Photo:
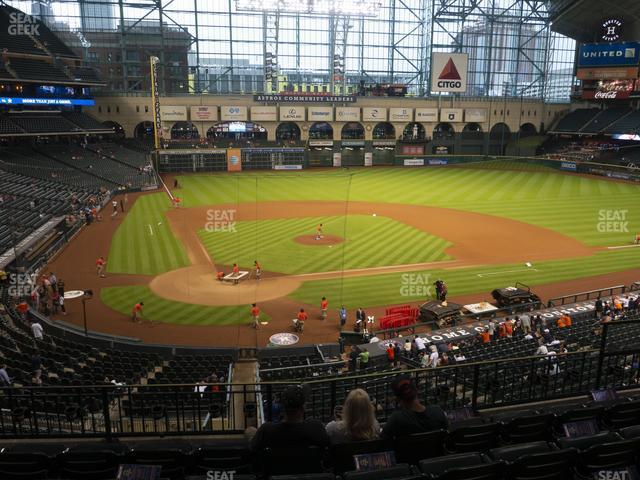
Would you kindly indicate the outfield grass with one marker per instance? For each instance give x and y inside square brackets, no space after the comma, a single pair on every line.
[569,204]
[158,309]
[393,288]
[144,242]
[370,242]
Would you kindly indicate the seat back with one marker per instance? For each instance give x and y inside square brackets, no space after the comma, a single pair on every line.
[437,466]
[582,443]
[513,452]
[609,455]
[342,453]
[171,460]
[528,428]
[487,471]
[396,472]
[413,448]
[24,466]
[477,438]
[292,460]
[100,464]
[234,458]
[551,465]
[623,415]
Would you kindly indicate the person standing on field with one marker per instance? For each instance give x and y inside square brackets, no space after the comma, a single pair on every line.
[324,305]
[100,264]
[343,317]
[258,268]
[319,232]
[255,314]
[136,313]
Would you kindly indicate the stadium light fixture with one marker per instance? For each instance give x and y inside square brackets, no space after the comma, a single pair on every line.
[361,8]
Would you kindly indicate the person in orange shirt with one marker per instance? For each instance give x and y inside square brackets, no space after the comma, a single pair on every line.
[299,322]
[100,264]
[567,321]
[638,238]
[255,313]
[564,321]
[324,304]
[136,312]
[484,336]
[258,268]
[508,327]
[219,275]
[236,271]
[502,331]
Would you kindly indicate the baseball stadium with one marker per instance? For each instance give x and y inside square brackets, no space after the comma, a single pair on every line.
[320,239]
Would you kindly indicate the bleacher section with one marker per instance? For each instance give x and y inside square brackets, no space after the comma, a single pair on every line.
[573,121]
[605,118]
[34,123]
[27,43]
[124,153]
[84,121]
[36,70]
[50,122]
[628,124]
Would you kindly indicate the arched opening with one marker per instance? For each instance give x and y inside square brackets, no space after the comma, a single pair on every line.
[384,131]
[143,131]
[118,130]
[414,131]
[499,136]
[527,130]
[352,131]
[472,127]
[443,131]
[288,131]
[321,131]
[237,131]
[184,131]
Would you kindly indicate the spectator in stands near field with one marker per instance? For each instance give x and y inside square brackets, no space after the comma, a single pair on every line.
[564,321]
[508,328]
[358,423]
[407,347]
[36,364]
[5,381]
[485,336]
[397,353]
[547,337]
[542,350]
[391,353]
[353,358]
[434,358]
[420,345]
[364,359]
[413,416]
[525,323]
[38,331]
[293,430]
[493,330]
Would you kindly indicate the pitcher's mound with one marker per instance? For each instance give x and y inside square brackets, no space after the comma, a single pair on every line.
[325,240]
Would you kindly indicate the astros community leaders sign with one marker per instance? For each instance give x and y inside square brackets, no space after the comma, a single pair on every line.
[302,98]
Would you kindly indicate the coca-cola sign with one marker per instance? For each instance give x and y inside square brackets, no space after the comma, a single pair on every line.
[609,90]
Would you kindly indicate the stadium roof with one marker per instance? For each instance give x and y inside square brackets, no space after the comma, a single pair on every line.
[582,19]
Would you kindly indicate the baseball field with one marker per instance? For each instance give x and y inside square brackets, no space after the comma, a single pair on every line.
[387,234]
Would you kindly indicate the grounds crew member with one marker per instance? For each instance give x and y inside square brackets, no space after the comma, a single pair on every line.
[255,313]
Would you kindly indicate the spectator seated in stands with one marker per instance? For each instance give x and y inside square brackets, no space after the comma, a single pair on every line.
[358,422]
[413,416]
[5,381]
[293,430]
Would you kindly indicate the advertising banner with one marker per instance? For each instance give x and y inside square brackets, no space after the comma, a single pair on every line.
[233,113]
[287,167]
[451,115]
[374,114]
[291,114]
[426,114]
[414,162]
[347,114]
[449,72]
[264,114]
[368,159]
[610,90]
[173,114]
[337,159]
[477,115]
[321,143]
[607,73]
[401,114]
[200,113]
[624,54]
[304,97]
[569,166]
[234,160]
[412,150]
[320,114]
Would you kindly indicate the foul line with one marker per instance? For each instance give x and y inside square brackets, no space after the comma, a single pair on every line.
[507,271]
[150,229]
[624,246]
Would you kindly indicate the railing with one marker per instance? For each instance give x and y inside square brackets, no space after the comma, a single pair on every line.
[589,295]
[147,410]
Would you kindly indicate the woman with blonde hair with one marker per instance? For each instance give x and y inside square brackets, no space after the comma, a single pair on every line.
[357,420]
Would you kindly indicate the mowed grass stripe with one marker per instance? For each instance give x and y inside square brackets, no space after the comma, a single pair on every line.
[122,299]
[386,289]
[136,250]
[371,241]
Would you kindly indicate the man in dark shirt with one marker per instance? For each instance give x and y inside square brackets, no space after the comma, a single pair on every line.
[293,430]
[413,416]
